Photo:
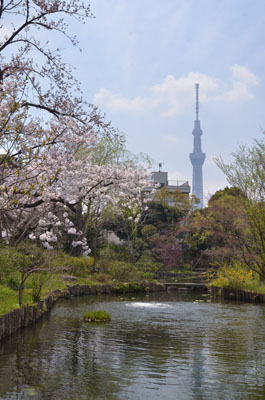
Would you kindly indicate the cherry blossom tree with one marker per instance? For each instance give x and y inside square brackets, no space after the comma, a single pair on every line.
[47,173]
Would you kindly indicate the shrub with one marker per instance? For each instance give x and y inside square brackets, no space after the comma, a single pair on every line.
[77,266]
[187,267]
[101,277]
[146,266]
[129,287]
[96,316]
[233,276]
[122,271]
[148,231]
[138,247]
[106,256]
[5,263]
[13,282]
[147,275]
[113,251]
[37,283]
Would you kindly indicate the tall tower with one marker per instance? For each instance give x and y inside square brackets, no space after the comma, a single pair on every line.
[197,157]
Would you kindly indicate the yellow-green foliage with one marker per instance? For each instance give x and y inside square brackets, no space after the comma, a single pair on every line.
[77,266]
[96,316]
[19,258]
[9,299]
[233,276]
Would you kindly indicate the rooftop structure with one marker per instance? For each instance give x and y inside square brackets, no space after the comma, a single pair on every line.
[160,178]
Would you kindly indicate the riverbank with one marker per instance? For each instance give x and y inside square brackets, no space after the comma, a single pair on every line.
[30,315]
[248,296]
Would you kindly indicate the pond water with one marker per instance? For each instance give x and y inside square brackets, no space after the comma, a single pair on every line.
[157,346]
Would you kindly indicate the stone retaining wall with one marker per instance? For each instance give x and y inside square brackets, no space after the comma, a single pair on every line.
[238,295]
[29,315]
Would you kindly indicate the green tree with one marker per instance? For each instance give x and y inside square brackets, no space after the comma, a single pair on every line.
[167,212]
[247,173]
[25,259]
[247,170]
[230,230]
[169,208]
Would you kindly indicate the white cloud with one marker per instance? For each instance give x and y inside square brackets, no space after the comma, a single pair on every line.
[242,79]
[116,102]
[243,75]
[171,139]
[173,96]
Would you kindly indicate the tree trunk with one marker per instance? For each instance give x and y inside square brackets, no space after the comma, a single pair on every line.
[95,243]
[20,293]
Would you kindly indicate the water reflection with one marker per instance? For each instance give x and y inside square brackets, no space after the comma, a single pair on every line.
[161,346]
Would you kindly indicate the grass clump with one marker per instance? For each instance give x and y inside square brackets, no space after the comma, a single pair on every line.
[96,316]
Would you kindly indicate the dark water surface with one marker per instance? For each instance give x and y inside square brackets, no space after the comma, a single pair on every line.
[161,346]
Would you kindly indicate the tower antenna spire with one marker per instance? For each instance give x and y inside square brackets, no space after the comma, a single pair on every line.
[197,100]
[197,157]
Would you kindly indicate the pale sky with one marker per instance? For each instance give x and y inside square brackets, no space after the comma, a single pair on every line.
[141,59]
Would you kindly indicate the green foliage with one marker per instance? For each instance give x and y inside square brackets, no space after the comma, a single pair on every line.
[232,227]
[129,287]
[9,299]
[146,266]
[13,281]
[115,262]
[5,263]
[148,231]
[19,258]
[26,265]
[175,201]
[96,316]
[161,232]
[234,276]
[37,282]
[187,267]
[102,278]
[122,271]
[255,285]
[147,275]
[247,172]
[230,191]
[24,259]
[115,251]
[138,247]
[77,266]
[169,207]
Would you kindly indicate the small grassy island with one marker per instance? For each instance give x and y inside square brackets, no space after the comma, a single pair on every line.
[96,316]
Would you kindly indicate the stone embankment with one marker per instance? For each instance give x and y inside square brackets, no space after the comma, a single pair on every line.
[238,295]
[30,315]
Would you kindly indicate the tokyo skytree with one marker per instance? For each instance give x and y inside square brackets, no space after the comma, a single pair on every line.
[197,157]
